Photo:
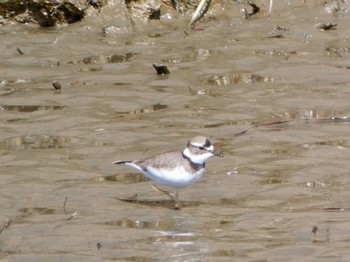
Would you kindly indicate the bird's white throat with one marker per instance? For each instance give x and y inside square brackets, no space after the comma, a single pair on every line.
[197,158]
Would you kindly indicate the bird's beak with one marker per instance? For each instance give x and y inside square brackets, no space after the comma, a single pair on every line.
[215,153]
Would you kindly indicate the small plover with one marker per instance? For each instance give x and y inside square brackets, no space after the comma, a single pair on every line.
[175,168]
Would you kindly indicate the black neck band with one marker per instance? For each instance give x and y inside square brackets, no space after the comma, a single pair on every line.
[195,166]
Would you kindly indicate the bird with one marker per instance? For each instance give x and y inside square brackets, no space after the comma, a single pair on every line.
[178,169]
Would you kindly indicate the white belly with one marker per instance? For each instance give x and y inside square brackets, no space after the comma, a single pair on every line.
[177,177]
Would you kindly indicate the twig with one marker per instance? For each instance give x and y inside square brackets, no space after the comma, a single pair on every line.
[20,51]
[64,205]
[264,124]
[7,224]
[73,215]
[345,119]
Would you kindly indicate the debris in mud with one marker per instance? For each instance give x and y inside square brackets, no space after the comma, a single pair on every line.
[57,85]
[65,211]
[64,205]
[246,14]
[161,69]
[320,234]
[326,26]
[73,215]
[6,225]
[155,15]
[20,51]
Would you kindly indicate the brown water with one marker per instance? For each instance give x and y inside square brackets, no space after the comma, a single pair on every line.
[279,194]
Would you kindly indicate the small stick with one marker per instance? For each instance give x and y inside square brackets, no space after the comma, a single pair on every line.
[7,224]
[345,119]
[64,205]
[73,215]
[263,124]
[20,51]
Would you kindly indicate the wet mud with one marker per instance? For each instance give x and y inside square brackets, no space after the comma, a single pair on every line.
[271,93]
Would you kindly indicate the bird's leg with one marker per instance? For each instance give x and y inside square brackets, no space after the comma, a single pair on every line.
[173,196]
[176,199]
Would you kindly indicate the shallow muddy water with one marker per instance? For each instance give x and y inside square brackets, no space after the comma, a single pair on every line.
[279,194]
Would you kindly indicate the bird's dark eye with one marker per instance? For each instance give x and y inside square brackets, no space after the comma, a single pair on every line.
[201,148]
